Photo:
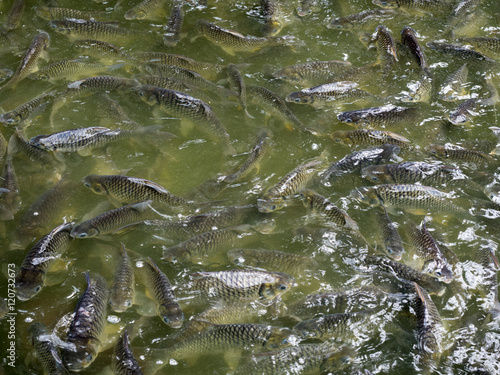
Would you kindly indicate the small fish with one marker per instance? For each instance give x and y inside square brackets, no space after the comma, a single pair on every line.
[204,244]
[458,153]
[123,360]
[29,62]
[66,69]
[5,74]
[414,197]
[435,261]
[56,13]
[234,285]
[104,51]
[10,200]
[392,240]
[26,110]
[15,14]
[429,325]
[123,288]
[329,325]
[328,93]
[485,256]
[427,5]
[305,7]
[231,41]
[144,10]
[172,31]
[360,19]
[406,273]
[236,80]
[272,260]
[132,189]
[31,275]
[322,205]
[292,183]
[78,28]
[452,88]
[314,70]
[410,40]
[272,12]
[110,221]
[386,47]
[158,284]
[82,342]
[357,160]
[485,44]
[419,91]
[457,50]
[45,349]
[370,137]
[21,147]
[380,117]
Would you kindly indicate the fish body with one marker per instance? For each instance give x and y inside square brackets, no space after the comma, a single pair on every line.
[89,29]
[104,51]
[419,91]
[435,261]
[82,342]
[31,275]
[21,145]
[172,32]
[68,68]
[329,325]
[231,41]
[207,70]
[10,200]
[158,284]
[272,12]
[123,360]
[15,14]
[427,5]
[485,256]
[237,81]
[29,62]
[132,189]
[24,111]
[452,88]
[408,196]
[406,273]
[328,93]
[457,50]
[322,205]
[409,39]
[110,221]
[57,13]
[379,117]
[45,349]
[313,70]
[242,284]
[292,183]
[144,10]
[386,47]
[123,288]
[370,137]
[359,19]
[486,44]
[97,84]
[458,153]
[392,240]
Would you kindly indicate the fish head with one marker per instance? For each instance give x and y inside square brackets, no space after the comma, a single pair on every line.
[307,329]
[287,73]
[272,28]
[341,136]
[444,273]
[79,354]
[367,195]
[146,93]
[270,205]
[9,118]
[60,27]
[493,192]
[84,231]
[377,174]
[28,283]
[94,183]
[236,256]
[171,314]
[350,117]
[338,359]
[458,118]
[135,14]
[300,97]
[387,4]
[43,12]
[436,150]
[281,338]
[121,299]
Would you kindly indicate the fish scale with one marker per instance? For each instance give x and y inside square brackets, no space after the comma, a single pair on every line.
[172,31]
[314,70]
[68,68]
[123,361]
[78,28]
[328,93]
[458,153]
[377,117]
[483,43]
[452,87]
[21,113]
[328,325]
[56,13]
[45,349]
[392,240]
[386,47]
[370,137]
[123,288]
[409,39]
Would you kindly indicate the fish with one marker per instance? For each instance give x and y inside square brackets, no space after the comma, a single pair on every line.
[205,244]
[429,325]
[272,260]
[358,160]
[272,12]
[10,201]
[123,361]
[426,5]
[144,10]
[485,44]
[427,248]
[29,61]
[123,287]
[26,110]
[37,156]
[418,198]
[493,192]
[292,183]
[392,240]
[449,151]
[172,84]
[236,80]
[313,70]
[360,19]
[5,74]
[45,349]
[109,221]
[370,137]
[65,69]
[57,13]
[15,14]
[234,285]
[305,7]
[82,342]
[183,105]
[172,31]
[299,359]
[158,284]
[452,88]
[419,91]
[77,28]
[322,205]
[30,278]
[484,254]
[386,47]
[105,51]
[109,108]
[329,325]
[132,189]
[328,93]
[379,117]
[233,42]
[457,50]
[410,40]
[407,273]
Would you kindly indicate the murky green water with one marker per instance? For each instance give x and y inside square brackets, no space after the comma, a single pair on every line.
[472,337]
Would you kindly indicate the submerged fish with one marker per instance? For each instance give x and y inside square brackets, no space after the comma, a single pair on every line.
[10,200]
[456,50]
[452,88]
[314,70]
[392,240]
[486,44]
[65,69]
[458,153]
[15,14]
[305,7]
[56,13]
[272,12]
[104,51]
[26,110]
[123,360]
[370,137]
[419,91]
[329,325]
[171,35]
[379,117]
[82,342]
[328,93]
[78,28]
[144,10]
[123,288]
[386,47]
[45,349]
[428,5]
[31,276]
[361,18]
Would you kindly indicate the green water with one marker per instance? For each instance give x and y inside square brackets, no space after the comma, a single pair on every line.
[472,337]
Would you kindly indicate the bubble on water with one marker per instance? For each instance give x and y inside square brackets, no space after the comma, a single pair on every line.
[113,319]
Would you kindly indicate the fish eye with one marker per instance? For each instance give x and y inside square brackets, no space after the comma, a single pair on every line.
[166,320]
[89,358]
[296,100]
[82,235]
[273,207]
[282,287]
[348,119]
[374,178]
[439,273]
[37,289]
[87,184]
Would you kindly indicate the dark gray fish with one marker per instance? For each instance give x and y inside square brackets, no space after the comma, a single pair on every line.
[15,14]
[26,110]
[328,93]
[457,50]
[31,276]
[45,349]
[123,288]
[110,221]
[409,39]
[392,240]
[369,137]
[380,117]
[82,342]
[329,325]
[236,80]
[386,47]
[172,31]
[10,201]
[123,361]
[485,44]
[158,284]
[357,160]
